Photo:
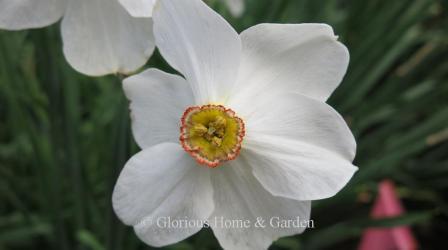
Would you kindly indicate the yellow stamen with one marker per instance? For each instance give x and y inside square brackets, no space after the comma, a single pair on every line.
[216,141]
[199,129]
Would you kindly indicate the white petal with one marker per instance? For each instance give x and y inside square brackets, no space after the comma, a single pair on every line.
[296,170]
[200,44]
[239,196]
[236,7]
[299,118]
[158,183]
[25,14]
[301,58]
[158,101]
[100,37]
[299,148]
[139,8]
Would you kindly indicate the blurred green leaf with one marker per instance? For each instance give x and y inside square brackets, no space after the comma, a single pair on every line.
[88,239]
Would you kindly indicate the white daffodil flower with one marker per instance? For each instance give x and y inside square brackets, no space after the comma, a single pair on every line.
[246,136]
[100,37]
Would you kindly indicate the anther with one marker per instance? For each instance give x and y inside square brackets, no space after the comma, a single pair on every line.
[216,141]
[199,129]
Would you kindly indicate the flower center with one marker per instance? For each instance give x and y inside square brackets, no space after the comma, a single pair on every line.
[211,134]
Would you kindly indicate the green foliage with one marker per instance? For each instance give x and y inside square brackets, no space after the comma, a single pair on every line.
[64,137]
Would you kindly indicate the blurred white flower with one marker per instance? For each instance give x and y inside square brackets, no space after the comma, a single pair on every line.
[100,37]
[139,8]
[257,140]
[143,8]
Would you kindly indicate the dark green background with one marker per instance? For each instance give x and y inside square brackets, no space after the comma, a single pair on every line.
[64,137]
